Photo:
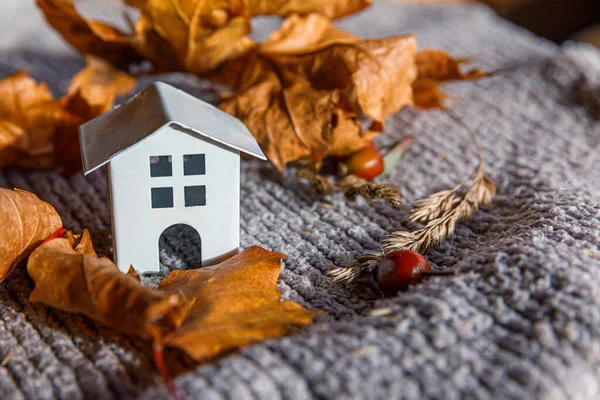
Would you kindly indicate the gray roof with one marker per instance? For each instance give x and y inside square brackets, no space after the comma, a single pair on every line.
[160,104]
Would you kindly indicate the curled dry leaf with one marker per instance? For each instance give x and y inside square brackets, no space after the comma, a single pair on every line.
[180,35]
[438,65]
[435,66]
[88,37]
[98,85]
[82,244]
[296,122]
[91,93]
[75,280]
[330,8]
[197,35]
[374,75]
[302,92]
[28,115]
[132,272]
[205,313]
[37,131]
[427,94]
[302,95]
[25,222]
[231,305]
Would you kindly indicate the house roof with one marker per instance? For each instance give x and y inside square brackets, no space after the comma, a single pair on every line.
[160,104]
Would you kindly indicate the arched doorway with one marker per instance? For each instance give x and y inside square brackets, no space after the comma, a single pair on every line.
[179,247]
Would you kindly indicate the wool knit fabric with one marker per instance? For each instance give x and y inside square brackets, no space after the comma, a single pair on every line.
[520,320]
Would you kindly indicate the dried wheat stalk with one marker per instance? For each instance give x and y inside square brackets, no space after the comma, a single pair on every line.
[351,185]
[364,264]
[354,186]
[440,212]
[305,169]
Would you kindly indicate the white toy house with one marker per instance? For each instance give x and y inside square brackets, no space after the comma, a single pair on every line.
[172,159]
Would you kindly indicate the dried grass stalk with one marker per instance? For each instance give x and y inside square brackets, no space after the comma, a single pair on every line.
[354,186]
[440,212]
[364,264]
[305,169]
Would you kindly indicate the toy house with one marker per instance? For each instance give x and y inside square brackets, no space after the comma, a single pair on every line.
[172,159]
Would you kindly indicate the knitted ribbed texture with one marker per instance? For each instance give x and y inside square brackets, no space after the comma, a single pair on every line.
[521,319]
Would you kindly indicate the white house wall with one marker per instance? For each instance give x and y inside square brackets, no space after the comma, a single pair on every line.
[137,226]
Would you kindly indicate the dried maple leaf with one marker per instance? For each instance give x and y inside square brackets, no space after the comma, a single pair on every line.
[180,35]
[439,65]
[37,131]
[28,115]
[87,36]
[427,94]
[200,34]
[91,93]
[302,92]
[25,222]
[435,66]
[75,280]
[329,8]
[374,74]
[296,122]
[302,95]
[231,305]
[97,85]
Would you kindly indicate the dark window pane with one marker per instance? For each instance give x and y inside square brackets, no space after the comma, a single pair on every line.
[160,166]
[194,164]
[162,197]
[195,196]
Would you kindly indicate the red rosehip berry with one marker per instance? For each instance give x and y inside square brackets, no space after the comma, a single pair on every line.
[366,163]
[400,269]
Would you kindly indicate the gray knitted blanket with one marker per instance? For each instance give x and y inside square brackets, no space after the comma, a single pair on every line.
[521,320]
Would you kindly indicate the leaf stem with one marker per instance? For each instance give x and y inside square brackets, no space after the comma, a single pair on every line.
[439,273]
[159,360]
[57,234]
